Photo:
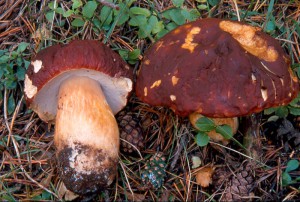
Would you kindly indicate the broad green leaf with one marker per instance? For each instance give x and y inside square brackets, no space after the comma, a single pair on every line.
[269,111]
[178,3]
[225,131]
[286,179]
[59,10]
[282,111]
[171,26]
[4,59]
[202,139]
[20,74]
[177,17]
[140,11]
[160,34]
[194,15]
[89,9]
[205,124]
[122,15]
[133,55]
[77,22]
[152,20]
[49,16]
[270,26]
[76,4]
[52,5]
[158,27]
[294,111]
[123,53]
[22,46]
[213,2]
[68,13]
[292,165]
[138,20]
[106,15]
[11,104]
[202,7]
[144,31]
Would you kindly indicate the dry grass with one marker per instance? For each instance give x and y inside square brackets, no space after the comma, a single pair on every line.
[27,161]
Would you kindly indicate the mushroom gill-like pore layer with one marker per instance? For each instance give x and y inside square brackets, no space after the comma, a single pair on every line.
[219,68]
[52,65]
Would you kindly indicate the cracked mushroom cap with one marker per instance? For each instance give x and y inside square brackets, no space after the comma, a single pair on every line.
[89,58]
[219,68]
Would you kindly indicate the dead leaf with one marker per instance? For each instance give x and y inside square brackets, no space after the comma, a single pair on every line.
[64,193]
[204,176]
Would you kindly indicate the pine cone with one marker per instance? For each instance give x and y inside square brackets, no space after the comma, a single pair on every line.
[237,187]
[130,131]
[154,172]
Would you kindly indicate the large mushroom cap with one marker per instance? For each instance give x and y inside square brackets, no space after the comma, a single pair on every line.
[219,68]
[89,58]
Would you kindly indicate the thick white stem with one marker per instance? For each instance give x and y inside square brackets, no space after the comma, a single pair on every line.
[86,136]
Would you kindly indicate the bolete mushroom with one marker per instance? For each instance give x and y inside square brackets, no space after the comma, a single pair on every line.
[218,68]
[80,86]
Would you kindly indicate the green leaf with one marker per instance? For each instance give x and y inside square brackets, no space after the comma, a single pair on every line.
[144,31]
[292,165]
[202,139]
[123,53]
[294,111]
[77,22]
[106,15]
[76,4]
[202,7]
[270,26]
[140,11]
[68,13]
[152,20]
[286,179]
[52,5]
[225,131]
[158,27]
[205,124]
[89,9]
[4,59]
[138,20]
[178,3]
[59,10]
[269,111]
[160,34]
[122,14]
[177,17]
[213,2]
[171,26]
[282,111]
[11,104]
[22,46]
[20,74]
[49,16]
[133,55]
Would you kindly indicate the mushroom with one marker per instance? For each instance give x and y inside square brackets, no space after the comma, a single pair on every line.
[79,87]
[217,68]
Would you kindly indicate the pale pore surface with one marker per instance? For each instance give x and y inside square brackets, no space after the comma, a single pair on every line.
[115,90]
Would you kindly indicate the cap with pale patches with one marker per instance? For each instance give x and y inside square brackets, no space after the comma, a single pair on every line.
[90,58]
[219,68]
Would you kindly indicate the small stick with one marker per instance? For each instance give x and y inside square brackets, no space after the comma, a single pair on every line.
[109,4]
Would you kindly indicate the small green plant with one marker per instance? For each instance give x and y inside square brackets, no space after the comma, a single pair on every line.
[206,125]
[286,177]
[12,70]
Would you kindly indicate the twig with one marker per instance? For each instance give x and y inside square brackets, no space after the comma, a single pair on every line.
[109,4]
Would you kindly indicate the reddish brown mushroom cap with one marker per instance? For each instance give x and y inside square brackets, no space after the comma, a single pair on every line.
[88,58]
[219,68]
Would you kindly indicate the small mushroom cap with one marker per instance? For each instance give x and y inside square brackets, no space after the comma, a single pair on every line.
[89,58]
[219,68]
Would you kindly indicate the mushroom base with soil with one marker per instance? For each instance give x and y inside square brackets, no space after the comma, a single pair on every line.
[86,136]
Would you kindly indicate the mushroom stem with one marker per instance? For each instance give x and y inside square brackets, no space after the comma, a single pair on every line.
[86,136]
[251,138]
